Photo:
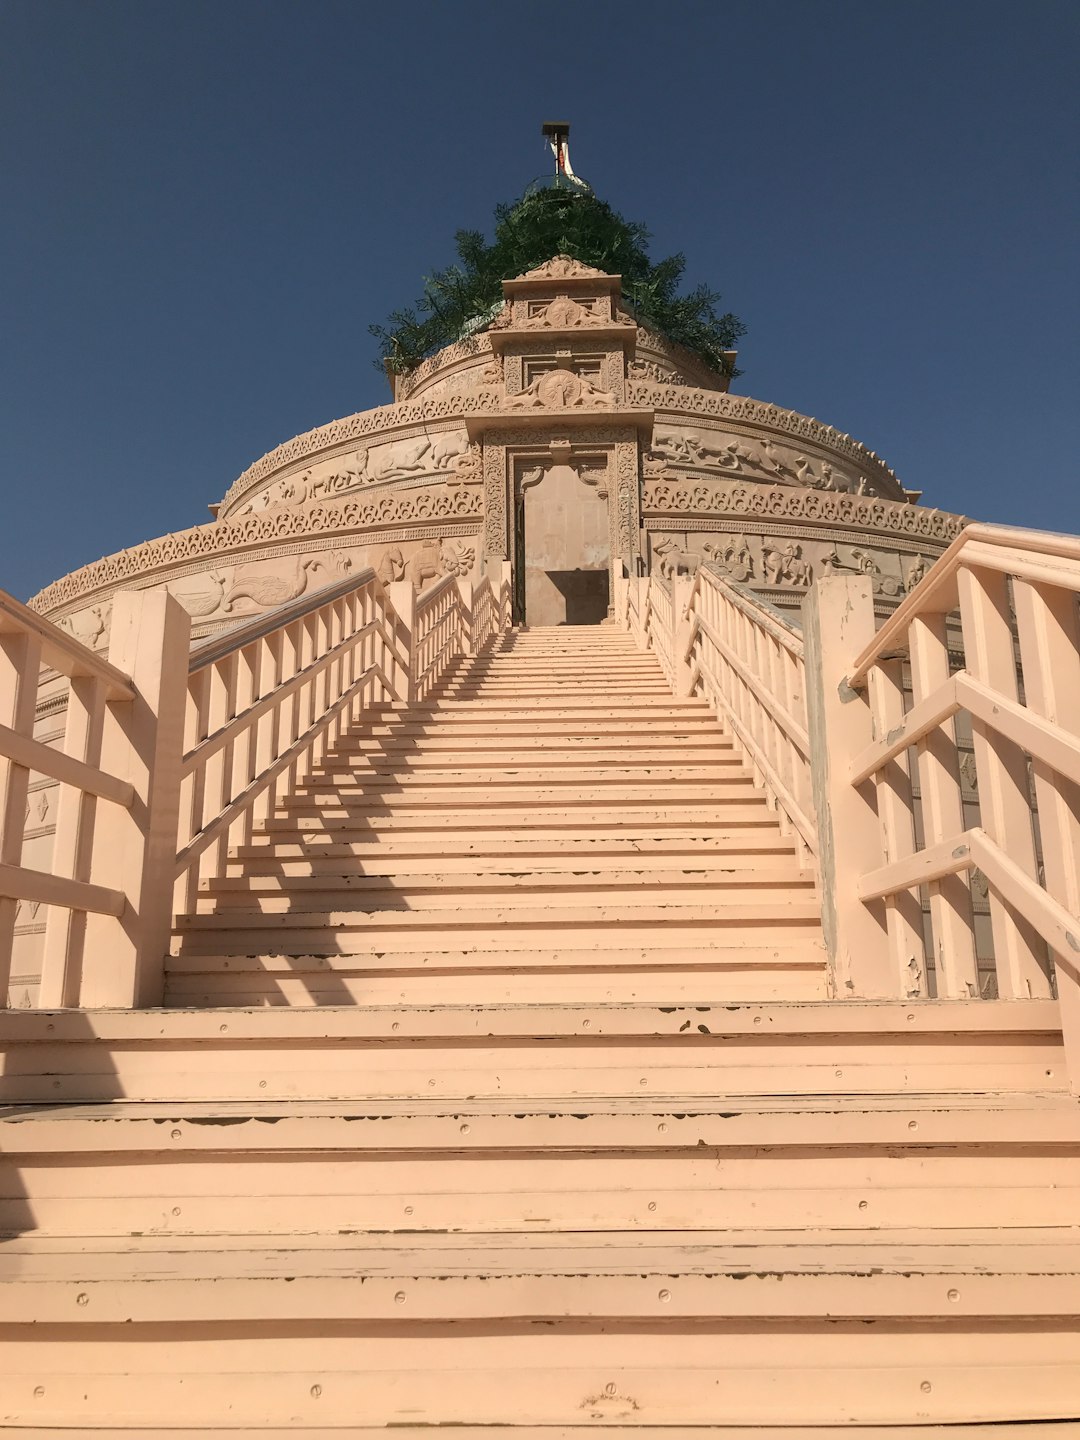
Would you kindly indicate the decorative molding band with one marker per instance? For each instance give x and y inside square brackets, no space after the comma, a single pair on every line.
[782,502]
[389,418]
[468,349]
[682,400]
[357,513]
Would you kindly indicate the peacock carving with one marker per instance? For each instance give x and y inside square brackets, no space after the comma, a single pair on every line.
[267,591]
[204,602]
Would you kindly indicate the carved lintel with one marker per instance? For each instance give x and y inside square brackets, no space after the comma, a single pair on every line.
[539,420]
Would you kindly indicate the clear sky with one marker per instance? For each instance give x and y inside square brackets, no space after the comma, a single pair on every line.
[206,202]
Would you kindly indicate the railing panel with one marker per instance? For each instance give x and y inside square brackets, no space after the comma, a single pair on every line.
[1018,692]
[158,780]
[1004,800]
[713,639]
[1048,625]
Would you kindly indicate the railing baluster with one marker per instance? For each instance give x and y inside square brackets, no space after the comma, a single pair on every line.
[1048,626]
[1004,803]
[904,916]
[20,665]
[951,917]
[65,930]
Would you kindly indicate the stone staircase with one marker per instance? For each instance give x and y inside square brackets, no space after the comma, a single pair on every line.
[554,824]
[500,1089]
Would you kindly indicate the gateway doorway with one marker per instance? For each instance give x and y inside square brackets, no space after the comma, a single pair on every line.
[563,549]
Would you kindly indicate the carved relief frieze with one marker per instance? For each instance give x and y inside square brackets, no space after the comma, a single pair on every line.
[561,389]
[448,556]
[676,399]
[90,627]
[773,559]
[363,512]
[562,313]
[468,468]
[666,497]
[562,267]
[460,352]
[650,370]
[414,458]
[360,427]
[753,458]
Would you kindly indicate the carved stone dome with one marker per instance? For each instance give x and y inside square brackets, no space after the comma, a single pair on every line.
[561,417]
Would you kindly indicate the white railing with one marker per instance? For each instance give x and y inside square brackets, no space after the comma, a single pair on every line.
[265,702]
[747,660]
[187,750]
[719,640]
[490,612]
[991,633]
[106,854]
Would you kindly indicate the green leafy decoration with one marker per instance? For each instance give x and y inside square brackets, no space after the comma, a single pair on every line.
[467,295]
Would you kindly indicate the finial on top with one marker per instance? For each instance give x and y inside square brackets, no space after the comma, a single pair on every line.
[557,134]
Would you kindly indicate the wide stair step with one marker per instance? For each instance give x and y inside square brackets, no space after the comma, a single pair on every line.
[867,1220]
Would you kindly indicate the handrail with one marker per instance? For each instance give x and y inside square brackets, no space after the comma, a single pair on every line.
[719,640]
[936,591]
[1007,602]
[98,805]
[266,702]
[192,747]
[763,615]
[61,651]
[215,647]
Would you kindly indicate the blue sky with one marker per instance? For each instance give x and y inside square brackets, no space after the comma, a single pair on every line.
[206,203]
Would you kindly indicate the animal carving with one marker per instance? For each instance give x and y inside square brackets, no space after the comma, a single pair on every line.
[269,590]
[203,602]
[409,458]
[786,566]
[90,629]
[424,564]
[674,561]
[391,567]
[445,448]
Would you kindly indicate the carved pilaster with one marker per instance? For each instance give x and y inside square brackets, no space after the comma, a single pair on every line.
[627,502]
[496,543]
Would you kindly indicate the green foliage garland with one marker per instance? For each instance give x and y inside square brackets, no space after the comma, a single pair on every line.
[553,221]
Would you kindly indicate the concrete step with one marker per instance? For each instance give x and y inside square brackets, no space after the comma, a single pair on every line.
[596,709]
[457,851]
[377,758]
[628,823]
[611,784]
[618,1053]
[699,749]
[465,730]
[625,1275]
[298,859]
[752,914]
[693,976]
[632,889]
[425,792]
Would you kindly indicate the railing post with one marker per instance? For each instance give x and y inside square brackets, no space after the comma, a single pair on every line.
[838,623]
[135,849]
[403,599]
[682,588]
[467,611]
[20,665]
